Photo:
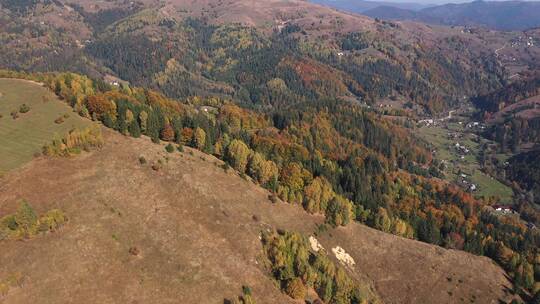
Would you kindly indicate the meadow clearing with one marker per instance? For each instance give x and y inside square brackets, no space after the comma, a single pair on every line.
[464,167]
[30,116]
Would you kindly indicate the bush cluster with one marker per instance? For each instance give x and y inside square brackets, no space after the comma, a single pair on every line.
[75,141]
[25,223]
[24,108]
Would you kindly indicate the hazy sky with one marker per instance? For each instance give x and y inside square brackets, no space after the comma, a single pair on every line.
[429,1]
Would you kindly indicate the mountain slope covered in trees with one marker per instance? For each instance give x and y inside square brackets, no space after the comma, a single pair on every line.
[190,231]
[199,53]
[524,168]
[332,158]
[513,114]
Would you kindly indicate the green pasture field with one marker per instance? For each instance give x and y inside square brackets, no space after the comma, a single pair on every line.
[23,137]
[437,136]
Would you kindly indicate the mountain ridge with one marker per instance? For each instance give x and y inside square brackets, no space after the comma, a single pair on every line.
[503,15]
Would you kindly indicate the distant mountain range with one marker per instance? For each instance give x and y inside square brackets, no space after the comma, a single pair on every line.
[499,15]
[360,6]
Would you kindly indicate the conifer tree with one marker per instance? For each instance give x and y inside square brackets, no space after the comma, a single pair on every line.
[134,129]
[25,217]
[143,118]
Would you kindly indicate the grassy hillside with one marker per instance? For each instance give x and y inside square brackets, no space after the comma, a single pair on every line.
[24,136]
[189,233]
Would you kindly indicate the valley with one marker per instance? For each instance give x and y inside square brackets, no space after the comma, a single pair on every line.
[459,149]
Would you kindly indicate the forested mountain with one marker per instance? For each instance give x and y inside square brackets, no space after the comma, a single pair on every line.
[513,114]
[525,169]
[330,157]
[361,6]
[499,15]
[291,96]
[186,56]
[181,228]
[509,95]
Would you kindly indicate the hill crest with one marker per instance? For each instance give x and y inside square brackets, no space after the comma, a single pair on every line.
[197,229]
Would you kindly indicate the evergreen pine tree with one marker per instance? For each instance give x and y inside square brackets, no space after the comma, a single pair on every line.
[107,121]
[134,129]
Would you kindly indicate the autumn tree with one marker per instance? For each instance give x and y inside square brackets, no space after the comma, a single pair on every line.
[167,133]
[255,162]
[199,138]
[402,228]
[317,195]
[382,220]
[260,169]
[296,289]
[339,211]
[143,118]
[129,116]
[294,176]
[269,173]
[186,135]
[99,105]
[237,155]
[222,144]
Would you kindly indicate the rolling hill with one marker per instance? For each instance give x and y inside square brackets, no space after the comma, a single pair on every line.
[128,171]
[196,230]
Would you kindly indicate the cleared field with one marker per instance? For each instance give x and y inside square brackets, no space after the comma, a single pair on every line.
[438,137]
[491,187]
[22,137]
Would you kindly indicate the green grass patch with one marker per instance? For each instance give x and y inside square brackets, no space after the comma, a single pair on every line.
[445,147]
[488,186]
[21,138]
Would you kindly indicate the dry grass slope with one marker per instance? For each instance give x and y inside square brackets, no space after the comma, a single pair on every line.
[196,233]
